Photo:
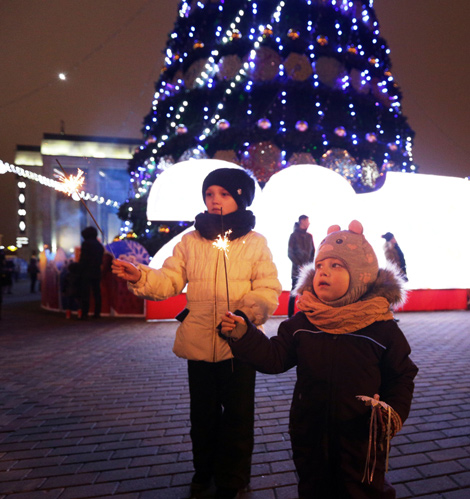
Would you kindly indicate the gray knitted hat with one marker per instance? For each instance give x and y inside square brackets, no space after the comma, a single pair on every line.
[351,247]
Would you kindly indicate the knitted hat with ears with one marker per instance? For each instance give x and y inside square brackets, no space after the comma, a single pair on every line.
[234,180]
[351,247]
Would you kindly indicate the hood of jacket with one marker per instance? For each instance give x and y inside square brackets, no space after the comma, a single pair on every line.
[389,285]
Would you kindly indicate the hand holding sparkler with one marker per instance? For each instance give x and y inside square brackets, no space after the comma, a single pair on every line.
[233,326]
[126,270]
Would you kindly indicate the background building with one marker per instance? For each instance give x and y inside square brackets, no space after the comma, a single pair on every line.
[45,216]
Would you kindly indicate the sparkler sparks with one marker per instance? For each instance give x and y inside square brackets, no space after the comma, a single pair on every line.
[70,184]
[223,243]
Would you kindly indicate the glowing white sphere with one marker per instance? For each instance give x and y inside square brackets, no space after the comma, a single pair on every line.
[428,214]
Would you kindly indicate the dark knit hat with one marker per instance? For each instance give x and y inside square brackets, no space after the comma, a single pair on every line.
[351,247]
[388,236]
[234,180]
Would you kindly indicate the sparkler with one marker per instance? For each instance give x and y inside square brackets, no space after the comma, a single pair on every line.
[375,403]
[222,244]
[72,184]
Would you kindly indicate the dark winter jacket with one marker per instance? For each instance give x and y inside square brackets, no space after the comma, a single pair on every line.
[91,257]
[328,425]
[394,254]
[301,249]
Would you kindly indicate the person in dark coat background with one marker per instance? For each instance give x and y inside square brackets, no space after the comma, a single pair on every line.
[353,368]
[394,254]
[91,258]
[33,271]
[301,251]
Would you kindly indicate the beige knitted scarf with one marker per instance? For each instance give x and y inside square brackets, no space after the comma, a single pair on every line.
[347,319]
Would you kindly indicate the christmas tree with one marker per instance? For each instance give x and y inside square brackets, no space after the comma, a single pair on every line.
[267,84]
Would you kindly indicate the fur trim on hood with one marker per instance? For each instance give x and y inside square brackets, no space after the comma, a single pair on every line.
[389,284]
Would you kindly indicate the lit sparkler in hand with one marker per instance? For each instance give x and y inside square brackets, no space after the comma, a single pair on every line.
[70,184]
[222,244]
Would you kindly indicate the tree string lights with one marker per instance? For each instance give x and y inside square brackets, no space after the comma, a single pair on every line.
[268,84]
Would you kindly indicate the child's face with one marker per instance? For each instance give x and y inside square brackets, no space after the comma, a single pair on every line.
[331,280]
[217,198]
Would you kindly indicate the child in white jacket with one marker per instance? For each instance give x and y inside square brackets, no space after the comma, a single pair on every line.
[221,388]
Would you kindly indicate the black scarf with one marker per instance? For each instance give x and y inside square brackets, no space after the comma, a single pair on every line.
[240,222]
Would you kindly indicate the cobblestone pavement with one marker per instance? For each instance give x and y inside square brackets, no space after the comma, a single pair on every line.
[99,408]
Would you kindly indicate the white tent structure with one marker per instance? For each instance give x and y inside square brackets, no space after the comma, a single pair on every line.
[428,215]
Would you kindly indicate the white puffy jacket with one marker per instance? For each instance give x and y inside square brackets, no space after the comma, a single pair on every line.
[252,282]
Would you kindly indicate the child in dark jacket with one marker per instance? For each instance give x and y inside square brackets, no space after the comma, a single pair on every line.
[354,373]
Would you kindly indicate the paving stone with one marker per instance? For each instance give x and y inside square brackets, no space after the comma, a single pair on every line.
[101,409]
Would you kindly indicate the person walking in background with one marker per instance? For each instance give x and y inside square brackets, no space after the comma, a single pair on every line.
[221,389]
[394,254]
[91,258]
[301,251]
[33,271]
[9,270]
[355,378]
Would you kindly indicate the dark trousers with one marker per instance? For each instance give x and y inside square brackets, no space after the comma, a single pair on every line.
[93,284]
[222,420]
[33,279]
[291,305]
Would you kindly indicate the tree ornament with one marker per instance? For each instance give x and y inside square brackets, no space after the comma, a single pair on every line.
[223,124]
[267,32]
[228,67]
[263,159]
[293,34]
[266,64]
[358,82]
[193,153]
[165,162]
[392,146]
[198,45]
[352,49]
[322,40]
[194,71]
[301,126]
[371,137]
[369,173]
[227,155]
[340,161]
[298,67]
[329,70]
[341,131]
[380,92]
[181,129]
[264,124]
[236,35]
[302,158]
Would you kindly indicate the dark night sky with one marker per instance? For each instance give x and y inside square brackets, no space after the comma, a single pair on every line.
[111,51]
